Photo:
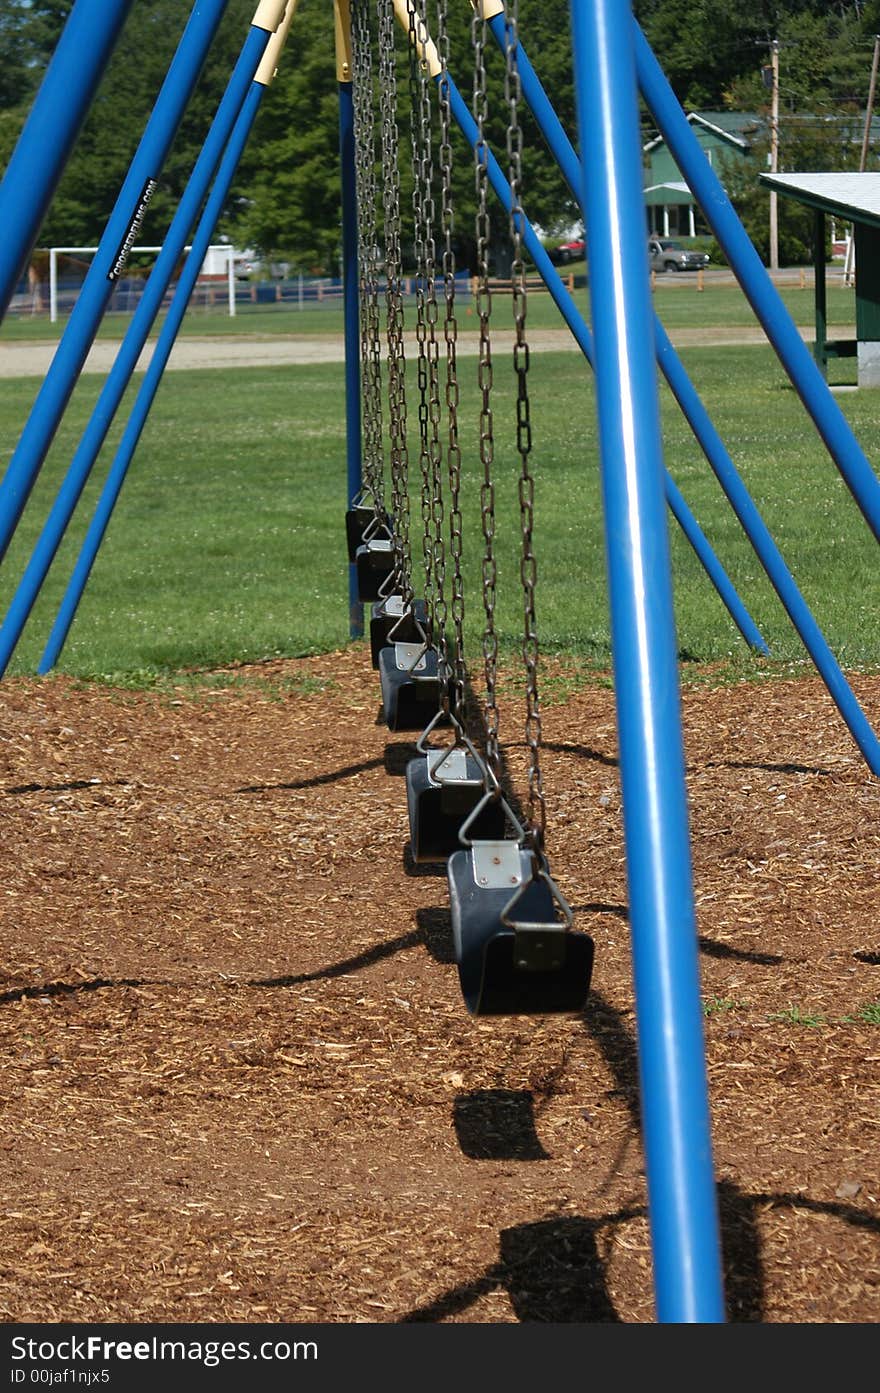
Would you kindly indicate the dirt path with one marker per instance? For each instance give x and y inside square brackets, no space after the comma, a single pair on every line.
[33,359]
[238,1081]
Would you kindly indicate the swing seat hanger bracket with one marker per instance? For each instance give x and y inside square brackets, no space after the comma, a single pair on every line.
[412,658]
[410,684]
[497,865]
[450,766]
[539,946]
[456,763]
[394,619]
[438,805]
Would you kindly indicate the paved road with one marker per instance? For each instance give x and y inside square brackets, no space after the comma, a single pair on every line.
[248,351]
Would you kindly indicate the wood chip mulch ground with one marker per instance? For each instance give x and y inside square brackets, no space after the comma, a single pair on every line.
[238,1081]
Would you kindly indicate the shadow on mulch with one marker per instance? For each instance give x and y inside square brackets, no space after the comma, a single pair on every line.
[74,785]
[553,1272]
[743,1266]
[767,768]
[398,756]
[742,955]
[435,929]
[550,1269]
[497,1124]
[347,965]
[560,747]
[604,1024]
[69,988]
[350,771]
[425,868]
[738,1211]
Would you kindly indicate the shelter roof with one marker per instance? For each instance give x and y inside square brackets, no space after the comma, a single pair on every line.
[853,196]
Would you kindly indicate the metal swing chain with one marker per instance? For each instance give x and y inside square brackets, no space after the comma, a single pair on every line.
[450,334]
[368,251]
[394,302]
[484,381]
[430,455]
[537,812]
[435,410]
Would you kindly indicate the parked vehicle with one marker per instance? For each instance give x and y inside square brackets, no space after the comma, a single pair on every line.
[667,255]
[568,251]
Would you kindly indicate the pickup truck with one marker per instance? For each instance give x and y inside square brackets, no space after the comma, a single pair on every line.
[666,255]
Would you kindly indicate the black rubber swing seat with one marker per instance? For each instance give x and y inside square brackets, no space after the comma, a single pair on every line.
[439,803]
[391,615]
[357,521]
[375,564]
[410,678]
[532,966]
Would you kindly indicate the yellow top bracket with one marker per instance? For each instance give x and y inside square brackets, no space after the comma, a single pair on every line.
[342,18]
[269,15]
[488,9]
[269,62]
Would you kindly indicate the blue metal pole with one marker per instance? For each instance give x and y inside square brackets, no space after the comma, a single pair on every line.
[133,200]
[43,148]
[563,151]
[770,556]
[584,339]
[714,449]
[132,345]
[152,378]
[675,1107]
[351,306]
[793,353]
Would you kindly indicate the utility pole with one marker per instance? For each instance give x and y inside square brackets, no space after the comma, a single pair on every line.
[774,154]
[863,158]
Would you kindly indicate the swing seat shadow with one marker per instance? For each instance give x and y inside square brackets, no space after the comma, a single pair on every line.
[553,1272]
[497,1124]
[435,928]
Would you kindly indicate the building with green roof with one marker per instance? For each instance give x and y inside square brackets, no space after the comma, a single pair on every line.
[723,135]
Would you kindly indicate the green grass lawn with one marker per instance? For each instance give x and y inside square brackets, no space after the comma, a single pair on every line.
[228,541]
[259,320]
[680,304]
[677,301]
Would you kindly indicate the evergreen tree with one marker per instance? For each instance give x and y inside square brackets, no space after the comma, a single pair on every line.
[286,199]
[287,202]
[122,105]
[288,187]
[28,35]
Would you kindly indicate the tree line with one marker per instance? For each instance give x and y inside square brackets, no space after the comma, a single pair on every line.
[285,200]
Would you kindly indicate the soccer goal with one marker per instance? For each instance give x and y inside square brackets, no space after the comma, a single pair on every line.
[222,255]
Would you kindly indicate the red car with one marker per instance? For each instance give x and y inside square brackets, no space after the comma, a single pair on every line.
[568,251]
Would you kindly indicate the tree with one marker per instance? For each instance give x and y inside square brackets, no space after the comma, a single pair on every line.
[288,187]
[704,44]
[17,71]
[822,68]
[88,189]
[286,200]
[286,196]
[809,146]
[28,35]
[707,47]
